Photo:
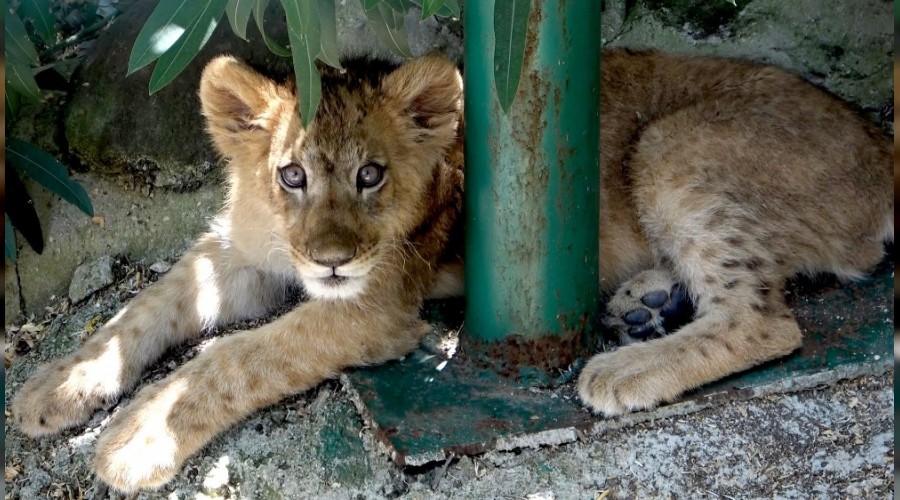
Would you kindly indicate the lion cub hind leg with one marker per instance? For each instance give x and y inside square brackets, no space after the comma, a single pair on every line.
[741,321]
[640,376]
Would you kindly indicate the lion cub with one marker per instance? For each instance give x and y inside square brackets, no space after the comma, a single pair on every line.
[725,176]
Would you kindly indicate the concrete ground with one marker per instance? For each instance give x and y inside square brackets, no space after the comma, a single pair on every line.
[823,438]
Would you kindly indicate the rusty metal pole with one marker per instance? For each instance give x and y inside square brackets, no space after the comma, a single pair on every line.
[532,191]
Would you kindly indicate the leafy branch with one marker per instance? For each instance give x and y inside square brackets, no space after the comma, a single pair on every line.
[22,58]
[177,30]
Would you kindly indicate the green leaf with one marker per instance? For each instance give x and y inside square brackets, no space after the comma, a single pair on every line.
[304,34]
[329,53]
[41,19]
[238,12]
[395,20]
[368,4]
[13,102]
[166,25]
[19,49]
[174,60]
[21,212]
[450,9]
[389,28]
[259,13]
[20,78]
[43,168]
[430,7]
[396,5]
[510,25]
[9,239]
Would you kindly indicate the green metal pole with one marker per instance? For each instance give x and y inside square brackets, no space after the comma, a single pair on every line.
[532,189]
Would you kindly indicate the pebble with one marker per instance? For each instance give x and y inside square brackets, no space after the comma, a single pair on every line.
[90,278]
[161,267]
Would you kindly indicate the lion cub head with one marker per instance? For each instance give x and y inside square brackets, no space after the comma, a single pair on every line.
[358,181]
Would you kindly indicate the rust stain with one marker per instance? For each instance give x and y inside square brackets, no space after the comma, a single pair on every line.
[510,355]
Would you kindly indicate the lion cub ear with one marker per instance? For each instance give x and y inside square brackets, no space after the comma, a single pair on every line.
[430,90]
[238,104]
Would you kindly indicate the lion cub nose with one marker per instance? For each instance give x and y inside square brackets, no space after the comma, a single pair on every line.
[332,245]
[332,255]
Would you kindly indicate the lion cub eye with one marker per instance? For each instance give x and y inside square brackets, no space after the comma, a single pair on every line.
[292,176]
[369,176]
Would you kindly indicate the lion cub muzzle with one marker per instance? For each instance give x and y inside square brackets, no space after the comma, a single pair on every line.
[332,248]
[335,271]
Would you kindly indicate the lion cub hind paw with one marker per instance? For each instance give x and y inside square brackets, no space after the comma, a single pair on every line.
[650,305]
[611,384]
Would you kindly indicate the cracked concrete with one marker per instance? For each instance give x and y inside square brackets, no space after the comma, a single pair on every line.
[826,437]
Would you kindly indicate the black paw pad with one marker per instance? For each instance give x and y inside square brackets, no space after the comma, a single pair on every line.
[637,317]
[643,331]
[679,310]
[655,299]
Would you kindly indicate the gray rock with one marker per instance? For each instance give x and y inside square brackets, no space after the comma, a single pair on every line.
[153,229]
[161,267]
[91,277]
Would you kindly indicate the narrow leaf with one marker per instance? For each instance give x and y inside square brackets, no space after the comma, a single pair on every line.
[165,26]
[13,101]
[22,215]
[396,20]
[304,34]
[381,20]
[43,168]
[19,48]
[41,19]
[259,13]
[450,9]
[238,12]
[368,4]
[9,238]
[21,79]
[510,25]
[329,53]
[174,60]
[430,7]
[395,5]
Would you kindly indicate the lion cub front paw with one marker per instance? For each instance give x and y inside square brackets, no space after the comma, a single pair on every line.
[131,458]
[60,395]
[650,305]
[140,449]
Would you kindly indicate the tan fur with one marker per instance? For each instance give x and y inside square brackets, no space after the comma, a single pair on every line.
[737,176]
[727,175]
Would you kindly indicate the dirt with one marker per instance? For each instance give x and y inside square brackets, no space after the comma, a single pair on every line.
[835,440]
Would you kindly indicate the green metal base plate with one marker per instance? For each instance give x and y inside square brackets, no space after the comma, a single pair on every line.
[429,405]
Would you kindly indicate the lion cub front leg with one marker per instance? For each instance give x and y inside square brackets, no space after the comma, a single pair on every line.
[146,444]
[198,292]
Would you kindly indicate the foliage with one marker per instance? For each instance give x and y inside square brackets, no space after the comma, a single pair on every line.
[510,23]
[177,30]
[27,24]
